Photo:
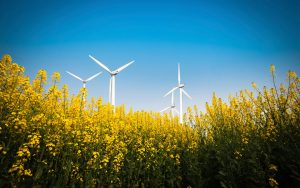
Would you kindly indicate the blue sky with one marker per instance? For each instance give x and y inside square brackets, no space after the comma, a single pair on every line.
[222,45]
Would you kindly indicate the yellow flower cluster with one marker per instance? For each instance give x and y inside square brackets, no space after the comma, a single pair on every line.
[51,138]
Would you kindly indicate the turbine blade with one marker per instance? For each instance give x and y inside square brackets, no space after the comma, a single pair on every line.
[124,66]
[165,109]
[77,77]
[172,99]
[178,74]
[99,63]
[172,90]
[186,94]
[92,77]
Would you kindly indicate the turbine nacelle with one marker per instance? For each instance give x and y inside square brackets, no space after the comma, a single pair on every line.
[114,73]
[180,85]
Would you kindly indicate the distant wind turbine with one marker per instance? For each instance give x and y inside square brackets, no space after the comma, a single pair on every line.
[112,81]
[181,90]
[86,80]
[172,107]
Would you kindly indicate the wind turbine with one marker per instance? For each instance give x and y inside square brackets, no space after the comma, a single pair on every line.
[181,90]
[86,80]
[172,107]
[112,81]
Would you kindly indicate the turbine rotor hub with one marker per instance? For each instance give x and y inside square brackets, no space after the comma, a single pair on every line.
[114,73]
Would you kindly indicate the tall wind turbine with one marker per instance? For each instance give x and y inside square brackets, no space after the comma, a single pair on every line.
[172,107]
[86,80]
[112,81]
[181,90]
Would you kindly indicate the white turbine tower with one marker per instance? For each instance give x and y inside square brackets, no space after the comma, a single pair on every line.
[112,81]
[86,80]
[172,107]
[181,90]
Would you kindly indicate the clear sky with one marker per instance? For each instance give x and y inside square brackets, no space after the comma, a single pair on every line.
[222,45]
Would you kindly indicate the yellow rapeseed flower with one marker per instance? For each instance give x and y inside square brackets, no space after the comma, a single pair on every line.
[273,182]
[272,69]
[254,85]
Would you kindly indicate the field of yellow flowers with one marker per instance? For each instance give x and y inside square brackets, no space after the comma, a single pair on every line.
[51,139]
